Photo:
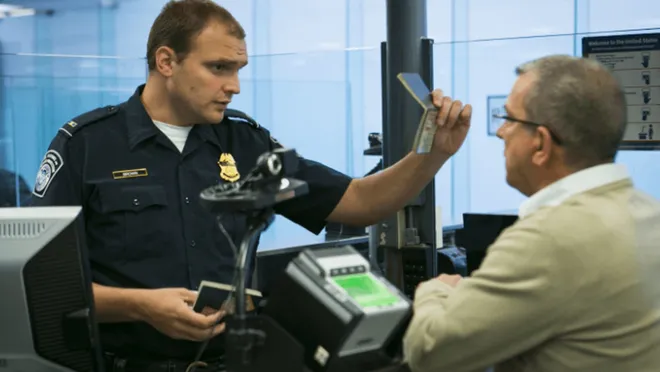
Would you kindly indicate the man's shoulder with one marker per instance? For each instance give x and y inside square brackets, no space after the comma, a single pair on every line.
[83,121]
[550,234]
[241,117]
[564,217]
[244,121]
[586,218]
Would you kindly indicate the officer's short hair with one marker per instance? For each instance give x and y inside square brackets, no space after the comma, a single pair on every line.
[582,102]
[179,22]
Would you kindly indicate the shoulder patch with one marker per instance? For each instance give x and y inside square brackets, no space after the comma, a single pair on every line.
[50,166]
[240,116]
[71,127]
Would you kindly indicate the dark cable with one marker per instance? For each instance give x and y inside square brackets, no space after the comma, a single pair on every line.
[197,361]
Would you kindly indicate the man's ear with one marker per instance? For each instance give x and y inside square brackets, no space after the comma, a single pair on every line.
[165,60]
[543,142]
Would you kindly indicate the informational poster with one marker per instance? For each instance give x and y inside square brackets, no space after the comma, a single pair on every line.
[495,107]
[635,60]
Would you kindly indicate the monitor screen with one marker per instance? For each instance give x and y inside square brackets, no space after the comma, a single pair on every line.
[366,290]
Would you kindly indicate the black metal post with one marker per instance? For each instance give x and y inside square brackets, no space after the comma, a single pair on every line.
[406,26]
[409,237]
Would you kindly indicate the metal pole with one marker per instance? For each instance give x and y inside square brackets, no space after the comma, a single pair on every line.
[406,26]
[409,237]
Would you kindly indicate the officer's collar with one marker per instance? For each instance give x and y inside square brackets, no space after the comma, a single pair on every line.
[206,133]
[142,127]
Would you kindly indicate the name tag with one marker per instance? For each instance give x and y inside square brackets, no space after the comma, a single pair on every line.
[131,173]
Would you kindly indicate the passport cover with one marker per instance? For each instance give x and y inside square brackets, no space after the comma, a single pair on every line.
[426,129]
[217,296]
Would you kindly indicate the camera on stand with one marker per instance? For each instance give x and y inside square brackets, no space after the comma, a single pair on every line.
[329,312]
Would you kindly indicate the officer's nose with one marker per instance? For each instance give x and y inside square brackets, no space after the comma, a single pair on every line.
[233,85]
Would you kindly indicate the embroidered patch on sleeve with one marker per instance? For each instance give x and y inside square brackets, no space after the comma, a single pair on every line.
[51,164]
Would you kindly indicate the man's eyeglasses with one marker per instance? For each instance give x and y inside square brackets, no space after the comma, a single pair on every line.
[526,122]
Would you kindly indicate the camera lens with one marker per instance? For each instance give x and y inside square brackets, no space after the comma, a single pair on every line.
[274,165]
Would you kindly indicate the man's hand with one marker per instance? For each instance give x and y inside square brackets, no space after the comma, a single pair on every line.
[169,311]
[451,280]
[378,196]
[453,123]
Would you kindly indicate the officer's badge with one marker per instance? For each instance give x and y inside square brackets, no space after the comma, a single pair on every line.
[228,170]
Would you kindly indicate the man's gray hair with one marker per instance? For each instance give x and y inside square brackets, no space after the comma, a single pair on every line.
[582,102]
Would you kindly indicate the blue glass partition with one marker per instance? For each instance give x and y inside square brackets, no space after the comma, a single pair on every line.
[304,107]
[318,90]
[480,186]
[318,112]
[42,92]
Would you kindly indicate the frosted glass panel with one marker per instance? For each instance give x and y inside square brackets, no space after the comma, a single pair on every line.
[314,80]
[41,93]
[613,15]
[489,191]
[514,18]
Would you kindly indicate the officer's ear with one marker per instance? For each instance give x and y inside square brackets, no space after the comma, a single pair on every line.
[165,60]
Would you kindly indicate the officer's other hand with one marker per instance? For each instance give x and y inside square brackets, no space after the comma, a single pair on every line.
[453,122]
[169,310]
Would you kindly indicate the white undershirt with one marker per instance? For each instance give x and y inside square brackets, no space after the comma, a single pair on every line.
[176,133]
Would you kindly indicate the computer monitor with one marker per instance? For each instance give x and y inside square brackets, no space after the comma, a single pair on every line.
[480,230]
[47,321]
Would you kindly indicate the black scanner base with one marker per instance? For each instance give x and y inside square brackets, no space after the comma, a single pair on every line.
[278,350]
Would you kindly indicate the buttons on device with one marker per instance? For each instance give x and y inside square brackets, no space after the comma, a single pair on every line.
[348,270]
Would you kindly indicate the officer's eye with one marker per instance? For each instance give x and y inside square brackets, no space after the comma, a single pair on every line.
[221,67]
[224,67]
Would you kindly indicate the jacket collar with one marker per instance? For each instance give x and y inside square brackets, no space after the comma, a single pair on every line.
[141,127]
[571,185]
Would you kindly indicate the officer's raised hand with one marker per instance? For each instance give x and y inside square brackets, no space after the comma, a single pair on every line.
[169,311]
[453,123]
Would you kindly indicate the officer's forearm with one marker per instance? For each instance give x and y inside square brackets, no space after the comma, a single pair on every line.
[373,198]
[116,304]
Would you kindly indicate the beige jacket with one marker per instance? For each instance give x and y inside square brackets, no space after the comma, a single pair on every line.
[573,286]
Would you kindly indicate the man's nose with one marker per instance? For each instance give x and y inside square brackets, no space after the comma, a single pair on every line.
[233,85]
[500,132]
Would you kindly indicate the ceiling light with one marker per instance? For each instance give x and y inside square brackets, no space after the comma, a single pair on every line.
[7,7]
[7,10]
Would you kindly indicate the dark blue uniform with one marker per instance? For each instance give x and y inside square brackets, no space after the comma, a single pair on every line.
[144,224]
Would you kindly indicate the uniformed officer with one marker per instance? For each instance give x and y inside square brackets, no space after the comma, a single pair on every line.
[137,169]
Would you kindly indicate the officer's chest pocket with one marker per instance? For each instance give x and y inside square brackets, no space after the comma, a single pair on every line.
[142,215]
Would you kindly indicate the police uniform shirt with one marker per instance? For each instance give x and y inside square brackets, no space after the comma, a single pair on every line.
[145,227]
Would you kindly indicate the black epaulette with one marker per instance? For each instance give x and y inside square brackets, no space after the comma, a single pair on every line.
[240,116]
[71,127]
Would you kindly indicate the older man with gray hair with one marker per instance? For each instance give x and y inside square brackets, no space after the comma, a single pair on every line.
[572,285]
